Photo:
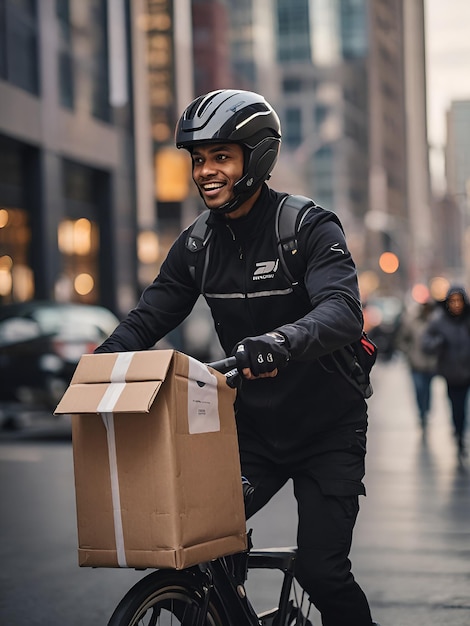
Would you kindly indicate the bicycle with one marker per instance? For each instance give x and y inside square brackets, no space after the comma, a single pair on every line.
[213,593]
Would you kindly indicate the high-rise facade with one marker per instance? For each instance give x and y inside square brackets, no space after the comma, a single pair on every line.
[457,167]
[90,91]
[67,188]
[338,78]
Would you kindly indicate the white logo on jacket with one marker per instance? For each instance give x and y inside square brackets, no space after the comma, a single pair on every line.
[265,269]
[335,248]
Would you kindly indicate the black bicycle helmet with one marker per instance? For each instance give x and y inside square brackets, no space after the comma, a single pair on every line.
[241,117]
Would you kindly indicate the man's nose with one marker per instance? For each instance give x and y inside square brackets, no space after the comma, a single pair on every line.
[207,168]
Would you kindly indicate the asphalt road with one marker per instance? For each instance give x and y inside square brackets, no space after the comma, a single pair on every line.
[411,550]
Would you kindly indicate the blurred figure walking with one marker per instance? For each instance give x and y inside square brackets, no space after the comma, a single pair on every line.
[422,365]
[448,337]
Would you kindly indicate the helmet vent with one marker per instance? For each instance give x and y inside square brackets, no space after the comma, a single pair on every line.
[202,103]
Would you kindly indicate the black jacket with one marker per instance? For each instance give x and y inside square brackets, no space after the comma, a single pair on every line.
[448,337]
[248,295]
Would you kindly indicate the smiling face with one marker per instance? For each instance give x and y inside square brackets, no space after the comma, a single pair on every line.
[216,170]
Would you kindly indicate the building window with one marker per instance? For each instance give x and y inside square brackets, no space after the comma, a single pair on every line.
[322,175]
[292,85]
[293,127]
[83,56]
[293,31]
[353,29]
[65,65]
[78,234]
[99,60]
[16,274]
[18,44]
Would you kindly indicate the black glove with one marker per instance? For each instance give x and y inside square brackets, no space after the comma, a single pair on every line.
[262,354]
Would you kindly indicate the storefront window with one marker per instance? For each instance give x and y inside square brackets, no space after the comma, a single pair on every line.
[78,235]
[78,243]
[16,276]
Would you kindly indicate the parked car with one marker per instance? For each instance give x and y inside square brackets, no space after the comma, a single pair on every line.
[41,344]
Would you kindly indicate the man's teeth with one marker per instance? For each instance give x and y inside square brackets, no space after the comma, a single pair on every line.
[212,186]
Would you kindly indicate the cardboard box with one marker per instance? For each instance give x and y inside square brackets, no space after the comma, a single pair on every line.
[157,470]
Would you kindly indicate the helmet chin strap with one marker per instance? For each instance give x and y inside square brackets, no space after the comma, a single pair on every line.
[236,202]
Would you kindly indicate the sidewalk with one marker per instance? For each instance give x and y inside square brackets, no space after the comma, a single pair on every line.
[412,543]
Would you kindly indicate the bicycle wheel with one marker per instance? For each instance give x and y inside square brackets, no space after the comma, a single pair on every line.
[165,598]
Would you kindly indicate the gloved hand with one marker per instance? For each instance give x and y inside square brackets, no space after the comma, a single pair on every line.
[262,354]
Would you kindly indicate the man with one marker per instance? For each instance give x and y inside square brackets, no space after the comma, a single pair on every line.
[448,337]
[297,417]
[422,366]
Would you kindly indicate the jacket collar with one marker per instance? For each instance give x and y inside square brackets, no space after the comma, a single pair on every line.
[249,226]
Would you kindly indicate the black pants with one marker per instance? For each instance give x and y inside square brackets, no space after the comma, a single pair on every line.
[458,400]
[324,538]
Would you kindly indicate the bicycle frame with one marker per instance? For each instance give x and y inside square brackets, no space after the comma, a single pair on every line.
[232,595]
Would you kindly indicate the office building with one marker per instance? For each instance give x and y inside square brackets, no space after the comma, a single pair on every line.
[67,169]
[457,169]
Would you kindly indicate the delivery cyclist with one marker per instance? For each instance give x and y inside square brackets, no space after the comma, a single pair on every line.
[297,417]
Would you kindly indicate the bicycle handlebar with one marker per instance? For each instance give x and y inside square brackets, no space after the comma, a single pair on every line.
[228,367]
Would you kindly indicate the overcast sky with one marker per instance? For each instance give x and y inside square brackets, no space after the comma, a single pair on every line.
[448,68]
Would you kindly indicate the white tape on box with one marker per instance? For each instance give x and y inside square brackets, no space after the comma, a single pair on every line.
[108,419]
[106,408]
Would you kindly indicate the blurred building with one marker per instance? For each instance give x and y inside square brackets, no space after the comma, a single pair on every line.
[348,80]
[68,199]
[94,192]
[449,251]
[457,168]
[211,47]
[458,151]
[422,231]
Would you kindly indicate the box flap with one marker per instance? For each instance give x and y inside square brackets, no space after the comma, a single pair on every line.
[123,366]
[109,397]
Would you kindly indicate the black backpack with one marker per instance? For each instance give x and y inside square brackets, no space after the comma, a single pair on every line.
[354,361]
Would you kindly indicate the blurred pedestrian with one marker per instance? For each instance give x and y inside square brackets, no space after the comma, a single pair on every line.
[448,337]
[422,365]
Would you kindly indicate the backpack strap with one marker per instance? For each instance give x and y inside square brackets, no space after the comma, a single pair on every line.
[199,233]
[288,211]
[288,225]
[198,240]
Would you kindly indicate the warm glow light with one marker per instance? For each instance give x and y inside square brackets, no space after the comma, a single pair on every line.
[368,283]
[83,284]
[439,287]
[3,218]
[6,281]
[65,236]
[420,293]
[389,263]
[171,175]
[74,236]
[23,282]
[82,236]
[148,247]
[6,262]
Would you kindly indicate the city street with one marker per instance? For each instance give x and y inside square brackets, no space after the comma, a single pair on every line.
[412,544]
